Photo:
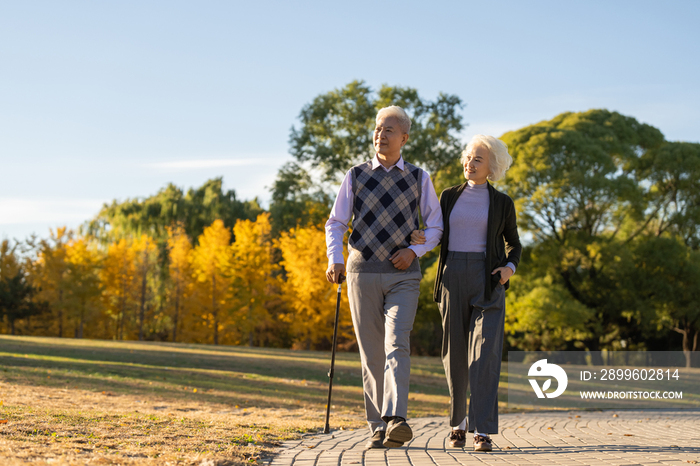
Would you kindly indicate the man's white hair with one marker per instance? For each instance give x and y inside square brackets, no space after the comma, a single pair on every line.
[499,158]
[399,113]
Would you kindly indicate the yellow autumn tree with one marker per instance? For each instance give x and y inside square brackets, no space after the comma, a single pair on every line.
[311,299]
[180,272]
[211,263]
[51,276]
[118,276]
[83,285]
[252,270]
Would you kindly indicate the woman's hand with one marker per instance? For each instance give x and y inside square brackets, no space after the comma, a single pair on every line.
[417,237]
[506,273]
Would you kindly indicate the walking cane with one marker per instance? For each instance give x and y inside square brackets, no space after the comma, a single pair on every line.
[327,429]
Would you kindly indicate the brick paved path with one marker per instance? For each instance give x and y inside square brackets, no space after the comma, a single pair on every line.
[552,438]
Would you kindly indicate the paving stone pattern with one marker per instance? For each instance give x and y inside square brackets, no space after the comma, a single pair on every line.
[552,438]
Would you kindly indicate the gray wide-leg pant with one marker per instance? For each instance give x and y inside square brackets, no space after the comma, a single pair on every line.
[472,342]
[383,307]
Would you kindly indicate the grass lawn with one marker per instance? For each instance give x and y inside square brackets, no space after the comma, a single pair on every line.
[69,401]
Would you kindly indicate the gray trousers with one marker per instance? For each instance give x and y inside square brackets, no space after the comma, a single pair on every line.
[472,342]
[383,307]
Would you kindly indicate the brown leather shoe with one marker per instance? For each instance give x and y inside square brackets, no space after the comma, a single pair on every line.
[458,438]
[398,432]
[482,443]
[376,441]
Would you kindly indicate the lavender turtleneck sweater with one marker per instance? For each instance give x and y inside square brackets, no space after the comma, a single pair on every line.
[469,220]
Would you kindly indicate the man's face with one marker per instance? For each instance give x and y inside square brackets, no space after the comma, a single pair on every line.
[389,138]
[476,165]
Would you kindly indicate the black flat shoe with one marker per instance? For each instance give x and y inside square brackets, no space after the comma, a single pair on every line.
[398,432]
[376,441]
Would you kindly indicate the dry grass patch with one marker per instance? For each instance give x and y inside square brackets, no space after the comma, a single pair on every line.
[58,426]
[95,402]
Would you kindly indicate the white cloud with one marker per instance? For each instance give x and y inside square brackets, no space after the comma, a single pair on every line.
[52,210]
[213,163]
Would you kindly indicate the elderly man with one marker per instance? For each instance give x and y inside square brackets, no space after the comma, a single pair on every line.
[383,197]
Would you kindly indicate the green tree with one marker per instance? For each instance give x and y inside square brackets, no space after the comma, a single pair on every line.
[195,209]
[667,273]
[426,336]
[296,201]
[673,172]
[576,173]
[541,314]
[336,133]
[16,299]
[336,128]
[577,187]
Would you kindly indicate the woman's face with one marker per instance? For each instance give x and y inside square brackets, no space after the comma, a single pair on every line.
[476,165]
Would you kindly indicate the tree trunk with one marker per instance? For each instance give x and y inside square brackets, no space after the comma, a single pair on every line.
[120,319]
[116,328]
[105,330]
[82,321]
[122,313]
[687,350]
[250,322]
[594,347]
[60,313]
[214,309]
[143,293]
[177,312]
[12,326]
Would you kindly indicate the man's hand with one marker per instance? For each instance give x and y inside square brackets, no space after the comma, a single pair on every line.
[334,272]
[402,258]
[417,237]
[506,273]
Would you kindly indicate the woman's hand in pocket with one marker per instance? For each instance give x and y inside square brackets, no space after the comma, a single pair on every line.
[506,273]
[417,237]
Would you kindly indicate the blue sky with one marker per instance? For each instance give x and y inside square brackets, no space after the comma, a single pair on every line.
[113,100]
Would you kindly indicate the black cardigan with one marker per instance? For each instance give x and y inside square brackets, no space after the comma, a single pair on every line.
[502,240]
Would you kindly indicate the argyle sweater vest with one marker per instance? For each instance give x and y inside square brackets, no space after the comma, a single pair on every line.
[385,212]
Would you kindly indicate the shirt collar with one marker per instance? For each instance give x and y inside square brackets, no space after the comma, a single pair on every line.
[376,164]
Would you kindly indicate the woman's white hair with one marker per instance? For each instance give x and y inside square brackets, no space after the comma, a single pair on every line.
[400,115]
[499,158]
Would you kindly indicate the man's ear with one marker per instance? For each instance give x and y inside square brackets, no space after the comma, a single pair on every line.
[404,139]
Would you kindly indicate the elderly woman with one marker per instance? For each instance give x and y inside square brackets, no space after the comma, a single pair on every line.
[479,253]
